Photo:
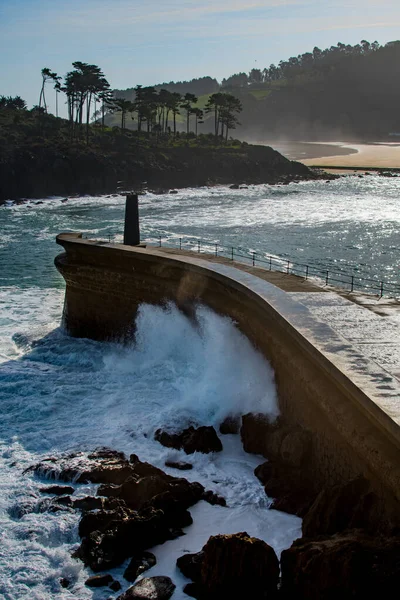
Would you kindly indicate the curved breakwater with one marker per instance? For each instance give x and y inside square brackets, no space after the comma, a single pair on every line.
[62,394]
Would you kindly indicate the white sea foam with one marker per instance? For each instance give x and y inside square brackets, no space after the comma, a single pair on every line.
[59,394]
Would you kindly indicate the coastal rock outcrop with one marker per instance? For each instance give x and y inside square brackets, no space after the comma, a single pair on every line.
[138,565]
[232,566]
[348,565]
[200,439]
[150,588]
[138,505]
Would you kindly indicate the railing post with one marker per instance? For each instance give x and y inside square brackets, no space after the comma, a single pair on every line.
[381,290]
[288,267]
[232,252]
[159,241]
[327,278]
[180,243]
[198,246]
[216,249]
[254,258]
[306,271]
[270,263]
[352,283]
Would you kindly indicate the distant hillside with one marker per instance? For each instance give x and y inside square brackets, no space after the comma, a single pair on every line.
[339,93]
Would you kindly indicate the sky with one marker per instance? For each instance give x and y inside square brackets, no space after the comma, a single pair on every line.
[152,41]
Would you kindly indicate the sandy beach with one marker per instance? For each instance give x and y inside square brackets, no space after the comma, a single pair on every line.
[342,154]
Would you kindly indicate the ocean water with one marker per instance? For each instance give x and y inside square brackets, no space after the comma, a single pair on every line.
[61,394]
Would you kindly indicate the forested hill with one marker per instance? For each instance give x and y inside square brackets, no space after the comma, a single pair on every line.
[341,92]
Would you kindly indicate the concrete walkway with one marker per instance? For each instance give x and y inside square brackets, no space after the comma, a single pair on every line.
[370,324]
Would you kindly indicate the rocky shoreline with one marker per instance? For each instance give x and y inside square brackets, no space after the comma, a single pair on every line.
[64,169]
[345,550]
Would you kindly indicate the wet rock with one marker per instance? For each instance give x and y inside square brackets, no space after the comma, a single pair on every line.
[151,588]
[182,466]
[234,564]
[63,501]
[290,488]
[99,580]
[169,440]
[190,565]
[203,439]
[64,582]
[88,503]
[115,586]
[256,431]
[64,200]
[139,565]
[230,425]
[121,536]
[348,506]
[350,565]
[57,490]
[136,492]
[102,466]
[213,498]
[173,191]
[234,186]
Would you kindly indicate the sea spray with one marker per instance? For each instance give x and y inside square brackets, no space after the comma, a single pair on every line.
[63,394]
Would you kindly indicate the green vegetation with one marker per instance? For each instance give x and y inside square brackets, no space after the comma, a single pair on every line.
[341,92]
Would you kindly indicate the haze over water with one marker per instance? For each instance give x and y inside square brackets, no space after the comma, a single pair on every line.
[59,393]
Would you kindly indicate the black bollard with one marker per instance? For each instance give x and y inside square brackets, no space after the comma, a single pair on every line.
[132,231]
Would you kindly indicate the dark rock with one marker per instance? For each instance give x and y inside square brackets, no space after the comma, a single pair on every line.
[57,490]
[115,586]
[63,501]
[348,565]
[230,425]
[88,503]
[122,537]
[173,191]
[64,582]
[139,565]
[64,200]
[190,565]
[203,439]
[234,186]
[102,466]
[182,466]
[194,590]
[136,492]
[234,564]
[169,440]
[99,580]
[290,488]
[213,498]
[348,506]
[150,588]
[256,431]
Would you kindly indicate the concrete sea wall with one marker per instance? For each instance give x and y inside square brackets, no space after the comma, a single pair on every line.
[348,404]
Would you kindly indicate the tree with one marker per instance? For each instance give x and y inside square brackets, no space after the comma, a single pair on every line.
[47,74]
[123,106]
[224,107]
[187,105]
[198,113]
[16,103]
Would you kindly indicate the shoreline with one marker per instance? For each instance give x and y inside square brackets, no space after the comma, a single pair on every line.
[383,155]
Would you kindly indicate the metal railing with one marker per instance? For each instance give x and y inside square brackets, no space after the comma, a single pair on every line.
[327,276]
[273,262]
